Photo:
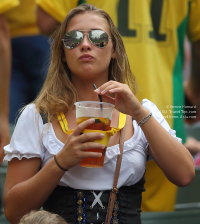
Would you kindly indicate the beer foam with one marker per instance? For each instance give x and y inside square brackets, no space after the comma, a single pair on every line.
[93,109]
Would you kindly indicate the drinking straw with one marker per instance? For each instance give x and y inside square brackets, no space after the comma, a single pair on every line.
[100,98]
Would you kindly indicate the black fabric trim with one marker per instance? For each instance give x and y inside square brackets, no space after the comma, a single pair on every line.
[63,201]
[44,118]
[189,107]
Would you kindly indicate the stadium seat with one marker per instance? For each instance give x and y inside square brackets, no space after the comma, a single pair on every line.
[189,197]
[176,217]
[3,170]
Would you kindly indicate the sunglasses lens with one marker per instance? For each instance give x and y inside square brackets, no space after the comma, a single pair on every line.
[99,38]
[72,39]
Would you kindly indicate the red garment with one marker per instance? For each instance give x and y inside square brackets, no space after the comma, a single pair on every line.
[197,160]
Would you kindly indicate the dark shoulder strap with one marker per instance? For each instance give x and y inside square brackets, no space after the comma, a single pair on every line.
[44,118]
[81,2]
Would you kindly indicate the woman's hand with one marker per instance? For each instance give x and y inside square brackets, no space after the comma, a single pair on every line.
[73,151]
[124,100]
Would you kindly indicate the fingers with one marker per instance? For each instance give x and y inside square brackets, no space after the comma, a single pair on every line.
[108,99]
[91,145]
[120,90]
[79,129]
[86,141]
[112,87]
[106,87]
[93,154]
[90,136]
[81,149]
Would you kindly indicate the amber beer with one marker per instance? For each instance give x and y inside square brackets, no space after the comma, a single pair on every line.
[102,124]
[102,113]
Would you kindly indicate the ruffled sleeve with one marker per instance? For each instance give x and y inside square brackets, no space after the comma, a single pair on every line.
[26,140]
[159,117]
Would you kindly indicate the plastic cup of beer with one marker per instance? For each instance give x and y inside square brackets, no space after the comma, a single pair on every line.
[102,113]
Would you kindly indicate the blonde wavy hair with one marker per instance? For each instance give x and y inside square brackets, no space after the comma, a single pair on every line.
[41,217]
[58,93]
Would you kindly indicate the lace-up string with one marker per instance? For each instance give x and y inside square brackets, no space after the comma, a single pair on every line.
[97,199]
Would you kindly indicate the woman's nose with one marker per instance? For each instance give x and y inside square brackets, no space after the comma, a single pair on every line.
[85,44]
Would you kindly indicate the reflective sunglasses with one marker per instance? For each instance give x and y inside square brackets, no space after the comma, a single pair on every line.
[97,37]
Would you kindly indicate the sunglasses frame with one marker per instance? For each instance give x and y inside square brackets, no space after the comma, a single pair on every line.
[88,31]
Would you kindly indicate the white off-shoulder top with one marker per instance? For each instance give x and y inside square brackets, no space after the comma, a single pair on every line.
[32,138]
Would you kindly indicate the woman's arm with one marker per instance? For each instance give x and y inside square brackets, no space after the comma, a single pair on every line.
[46,23]
[27,187]
[172,157]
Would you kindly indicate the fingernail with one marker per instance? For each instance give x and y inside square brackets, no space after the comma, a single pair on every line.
[97,90]
[100,154]
[103,146]
[92,120]
[102,135]
[103,92]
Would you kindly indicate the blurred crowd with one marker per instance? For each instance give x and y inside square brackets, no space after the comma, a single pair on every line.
[23,61]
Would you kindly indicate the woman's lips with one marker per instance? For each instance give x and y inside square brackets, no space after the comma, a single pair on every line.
[86,57]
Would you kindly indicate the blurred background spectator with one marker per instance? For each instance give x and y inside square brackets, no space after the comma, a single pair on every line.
[153,33]
[22,63]
[5,66]
[192,101]
[30,52]
[41,217]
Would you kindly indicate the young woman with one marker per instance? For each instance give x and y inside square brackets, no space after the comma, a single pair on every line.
[88,49]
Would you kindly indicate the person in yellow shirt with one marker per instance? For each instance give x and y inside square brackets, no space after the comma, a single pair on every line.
[5,65]
[30,51]
[153,32]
